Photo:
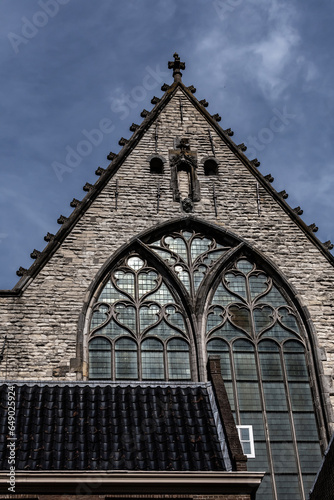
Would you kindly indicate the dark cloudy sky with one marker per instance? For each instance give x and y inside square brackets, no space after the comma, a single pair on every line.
[67,65]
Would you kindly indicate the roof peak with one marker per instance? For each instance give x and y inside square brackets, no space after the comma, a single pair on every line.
[176,66]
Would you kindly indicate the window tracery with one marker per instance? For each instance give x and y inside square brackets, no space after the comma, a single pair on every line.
[257,334]
[135,324]
[140,330]
[190,255]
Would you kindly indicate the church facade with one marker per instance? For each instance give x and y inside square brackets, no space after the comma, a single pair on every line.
[186,296]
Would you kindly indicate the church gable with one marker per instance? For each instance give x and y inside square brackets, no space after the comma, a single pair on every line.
[179,252]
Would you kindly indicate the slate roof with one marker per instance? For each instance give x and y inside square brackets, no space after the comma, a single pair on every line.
[112,427]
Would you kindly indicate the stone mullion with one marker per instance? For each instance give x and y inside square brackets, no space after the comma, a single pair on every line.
[137,332]
[293,430]
[265,422]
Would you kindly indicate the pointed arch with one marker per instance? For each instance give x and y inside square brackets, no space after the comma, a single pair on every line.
[195,309]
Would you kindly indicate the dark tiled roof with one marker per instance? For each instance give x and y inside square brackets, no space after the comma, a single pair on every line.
[100,427]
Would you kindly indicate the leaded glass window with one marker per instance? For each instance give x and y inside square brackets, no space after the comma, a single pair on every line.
[190,255]
[138,329]
[256,332]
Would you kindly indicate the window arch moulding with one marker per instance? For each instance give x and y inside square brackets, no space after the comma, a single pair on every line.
[265,362]
[164,250]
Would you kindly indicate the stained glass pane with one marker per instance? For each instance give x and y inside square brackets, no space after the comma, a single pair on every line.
[147,282]
[178,360]
[217,345]
[165,256]
[162,295]
[295,366]
[310,456]
[279,426]
[249,396]
[306,426]
[187,235]
[184,277]
[267,345]
[198,276]
[278,332]
[294,346]
[126,282]
[274,298]
[287,486]
[244,266]
[109,294]
[274,395]
[262,318]
[271,366]
[199,246]
[111,329]
[99,344]
[229,332]
[288,319]
[241,317]
[300,395]
[260,462]
[175,318]
[99,358]
[163,330]
[215,318]
[213,255]
[99,316]
[258,284]
[284,457]
[135,263]
[152,345]
[265,491]
[243,345]
[230,394]
[126,359]
[236,283]
[148,316]
[152,360]
[126,315]
[177,345]
[245,367]
[152,365]
[256,420]
[126,344]
[223,297]
[178,246]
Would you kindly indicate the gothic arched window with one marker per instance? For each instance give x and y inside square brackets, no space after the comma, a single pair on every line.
[259,337]
[147,324]
[138,328]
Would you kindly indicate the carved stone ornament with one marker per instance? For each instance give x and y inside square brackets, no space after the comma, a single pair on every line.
[183,164]
[204,103]
[111,156]
[187,205]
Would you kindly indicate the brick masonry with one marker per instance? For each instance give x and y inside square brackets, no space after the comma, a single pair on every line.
[42,324]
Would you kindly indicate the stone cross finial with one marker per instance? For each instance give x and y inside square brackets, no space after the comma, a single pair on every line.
[176,65]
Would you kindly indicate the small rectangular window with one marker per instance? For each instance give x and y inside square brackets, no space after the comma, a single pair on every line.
[246,439]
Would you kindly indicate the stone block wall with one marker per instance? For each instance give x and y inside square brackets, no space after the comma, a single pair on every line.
[42,323]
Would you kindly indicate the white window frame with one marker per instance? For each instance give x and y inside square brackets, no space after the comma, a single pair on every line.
[250,440]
